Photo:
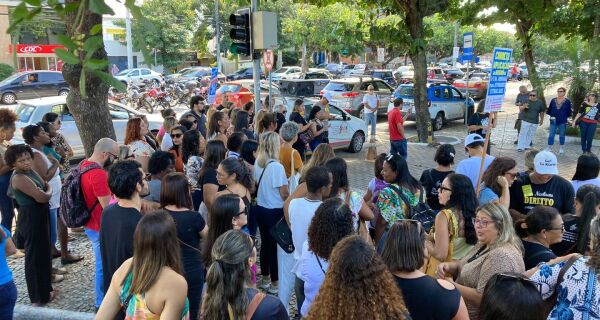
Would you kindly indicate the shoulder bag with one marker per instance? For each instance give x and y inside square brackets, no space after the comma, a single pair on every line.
[420,212]
[280,232]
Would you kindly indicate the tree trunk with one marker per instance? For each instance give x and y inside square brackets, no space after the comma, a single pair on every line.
[90,113]
[304,55]
[523,32]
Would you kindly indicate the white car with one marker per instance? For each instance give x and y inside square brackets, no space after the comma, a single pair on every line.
[32,111]
[358,70]
[287,73]
[346,131]
[138,75]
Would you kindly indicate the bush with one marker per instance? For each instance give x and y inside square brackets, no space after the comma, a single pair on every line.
[5,71]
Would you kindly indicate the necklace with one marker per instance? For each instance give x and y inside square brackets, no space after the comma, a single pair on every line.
[479,253]
[311,200]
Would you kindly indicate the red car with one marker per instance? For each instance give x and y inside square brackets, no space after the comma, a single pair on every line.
[241,92]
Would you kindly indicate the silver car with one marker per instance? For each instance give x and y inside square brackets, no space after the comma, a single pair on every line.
[32,111]
[348,93]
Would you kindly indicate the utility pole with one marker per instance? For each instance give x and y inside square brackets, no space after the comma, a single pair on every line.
[128,38]
[256,66]
[455,43]
[217,35]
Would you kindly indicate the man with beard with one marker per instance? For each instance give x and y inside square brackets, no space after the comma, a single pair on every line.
[94,186]
[127,182]
[198,111]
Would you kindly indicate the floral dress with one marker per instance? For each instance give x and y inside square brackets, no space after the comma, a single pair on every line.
[390,204]
[355,201]
[192,171]
[141,148]
[60,142]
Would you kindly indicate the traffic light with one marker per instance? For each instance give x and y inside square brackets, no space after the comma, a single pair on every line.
[241,32]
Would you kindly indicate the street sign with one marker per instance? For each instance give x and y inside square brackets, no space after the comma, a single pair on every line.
[498,78]
[468,39]
[268,60]
[212,89]
[380,54]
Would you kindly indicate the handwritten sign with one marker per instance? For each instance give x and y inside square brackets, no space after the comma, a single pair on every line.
[498,78]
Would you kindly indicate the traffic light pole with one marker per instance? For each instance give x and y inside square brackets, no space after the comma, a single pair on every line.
[256,69]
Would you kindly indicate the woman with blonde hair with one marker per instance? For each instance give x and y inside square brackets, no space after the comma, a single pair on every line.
[499,250]
[167,141]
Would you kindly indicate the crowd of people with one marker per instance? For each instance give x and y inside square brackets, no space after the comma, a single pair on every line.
[220,215]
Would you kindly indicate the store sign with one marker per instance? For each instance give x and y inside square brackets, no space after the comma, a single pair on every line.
[36,48]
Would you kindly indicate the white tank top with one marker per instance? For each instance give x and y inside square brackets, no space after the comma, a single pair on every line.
[54,182]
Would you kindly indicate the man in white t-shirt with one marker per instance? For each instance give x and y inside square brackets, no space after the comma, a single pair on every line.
[370,103]
[470,167]
[301,212]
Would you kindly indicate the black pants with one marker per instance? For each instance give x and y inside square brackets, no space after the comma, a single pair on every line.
[299,289]
[34,226]
[6,206]
[195,279]
[266,219]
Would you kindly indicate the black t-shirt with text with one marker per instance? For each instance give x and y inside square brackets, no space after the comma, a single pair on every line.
[431,180]
[557,193]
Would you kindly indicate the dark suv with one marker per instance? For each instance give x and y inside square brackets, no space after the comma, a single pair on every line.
[244,73]
[32,84]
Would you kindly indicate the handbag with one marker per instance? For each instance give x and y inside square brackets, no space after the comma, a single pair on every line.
[294,177]
[551,301]
[282,234]
[306,136]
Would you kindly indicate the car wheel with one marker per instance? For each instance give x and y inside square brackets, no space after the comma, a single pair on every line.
[357,142]
[361,112]
[438,122]
[63,92]
[9,98]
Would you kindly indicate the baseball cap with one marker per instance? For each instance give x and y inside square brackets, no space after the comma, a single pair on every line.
[473,137]
[545,163]
[327,95]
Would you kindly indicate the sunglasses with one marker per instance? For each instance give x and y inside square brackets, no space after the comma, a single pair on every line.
[177,135]
[148,176]
[512,175]
[532,95]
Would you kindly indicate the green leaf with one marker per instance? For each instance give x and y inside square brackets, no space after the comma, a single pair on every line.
[110,80]
[82,84]
[96,29]
[66,56]
[100,7]
[20,11]
[67,42]
[92,43]
[95,64]
[34,3]
[71,7]
[34,12]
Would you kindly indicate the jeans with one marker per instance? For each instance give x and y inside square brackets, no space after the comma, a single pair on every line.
[8,294]
[6,203]
[53,227]
[266,219]
[371,120]
[587,131]
[400,147]
[526,135]
[94,237]
[562,128]
[285,264]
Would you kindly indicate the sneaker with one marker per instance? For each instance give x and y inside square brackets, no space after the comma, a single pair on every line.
[273,289]
[561,151]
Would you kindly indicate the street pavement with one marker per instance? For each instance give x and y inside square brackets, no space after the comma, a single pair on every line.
[76,292]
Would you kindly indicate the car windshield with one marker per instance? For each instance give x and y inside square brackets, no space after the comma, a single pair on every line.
[339,86]
[281,70]
[241,71]
[124,72]
[404,91]
[24,112]
[10,79]
[230,88]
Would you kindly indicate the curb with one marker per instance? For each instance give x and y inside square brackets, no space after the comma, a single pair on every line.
[30,313]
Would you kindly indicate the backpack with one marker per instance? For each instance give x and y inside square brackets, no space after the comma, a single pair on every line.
[73,208]
[420,212]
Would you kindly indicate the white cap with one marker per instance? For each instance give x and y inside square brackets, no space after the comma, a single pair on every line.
[545,163]
[473,137]
[327,95]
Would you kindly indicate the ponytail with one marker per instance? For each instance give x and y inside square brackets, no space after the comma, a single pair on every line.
[243,173]
[521,228]
[539,218]
[588,212]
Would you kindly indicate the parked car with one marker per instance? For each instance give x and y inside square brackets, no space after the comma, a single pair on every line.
[32,84]
[139,75]
[286,73]
[357,70]
[244,73]
[32,111]
[452,74]
[241,92]
[346,131]
[176,75]
[335,69]
[385,75]
[348,93]
[446,103]
[404,74]
[478,84]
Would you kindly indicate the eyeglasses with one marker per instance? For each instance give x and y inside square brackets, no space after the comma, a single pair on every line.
[112,154]
[520,277]
[245,211]
[482,223]
[511,175]
[177,135]
[561,228]
[442,188]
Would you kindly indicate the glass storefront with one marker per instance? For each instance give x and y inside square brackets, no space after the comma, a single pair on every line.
[38,63]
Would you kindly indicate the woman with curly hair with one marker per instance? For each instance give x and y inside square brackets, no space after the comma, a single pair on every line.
[358,285]
[331,223]
[7,132]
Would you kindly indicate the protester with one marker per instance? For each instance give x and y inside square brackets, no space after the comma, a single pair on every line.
[542,227]
[217,127]
[470,166]
[280,111]
[398,144]
[431,179]
[453,234]
[207,176]
[136,140]
[357,274]
[289,134]
[197,109]
[533,116]
[249,149]
[127,183]
[228,295]
[479,121]
[322,154]
[559,111]
[272,191]
[175,198]
[267,123]
[391,206]
[587,119]
[579,287]
[165,114]
[318,127]
[370,104]
[242,124]
[576,237]
[7,132]
[161,163]
[237,179]
[167,141]
[586,172]
[193,146]
[97,194]
[522,98]
[60,142]
[330,224]
[234,144]
[425,297]
[149,285]
[8,289]
[511,296]
[496,181]
[375,186]
[499,250]
[542,187]
[304,127]
[32,194]
[150,138]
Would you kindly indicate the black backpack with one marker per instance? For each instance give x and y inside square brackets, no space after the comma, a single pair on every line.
[420,212]
[73,208]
